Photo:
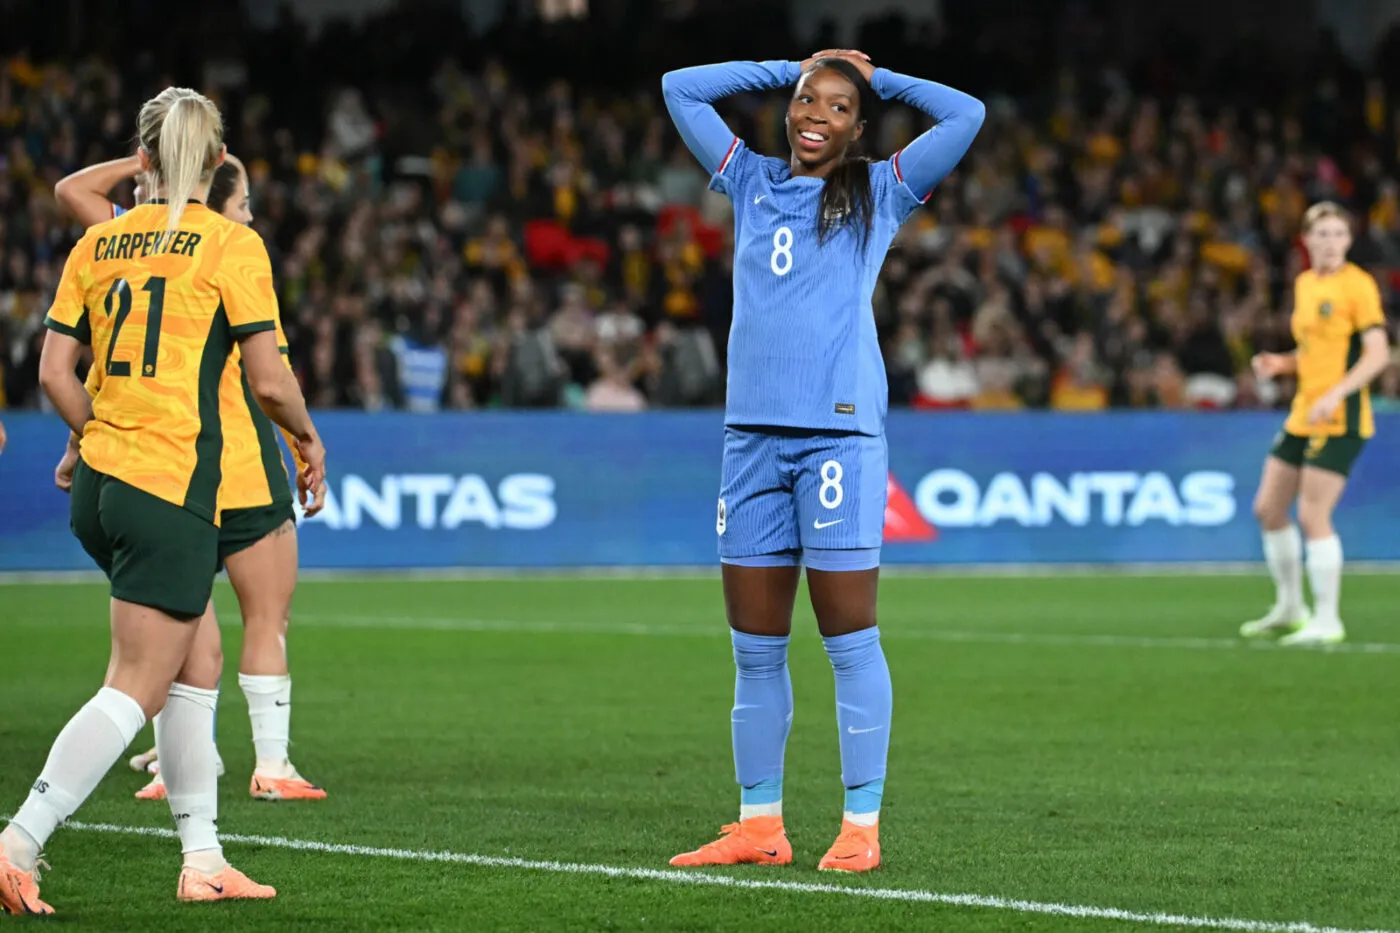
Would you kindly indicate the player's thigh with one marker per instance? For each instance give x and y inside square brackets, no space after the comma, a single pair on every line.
[1279,481]
[758,598]
[840,486]
[756,520]
[843,601]
[1327,465]
[149,647]
[163,556]
[85,516]
[258,548]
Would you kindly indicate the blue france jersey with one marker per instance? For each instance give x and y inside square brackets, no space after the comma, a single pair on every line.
[803,352]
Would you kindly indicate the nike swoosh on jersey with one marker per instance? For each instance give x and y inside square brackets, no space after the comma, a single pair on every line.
[820,525]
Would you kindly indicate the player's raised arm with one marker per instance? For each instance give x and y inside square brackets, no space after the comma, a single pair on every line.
[84,193]
[691,92]
[928,159]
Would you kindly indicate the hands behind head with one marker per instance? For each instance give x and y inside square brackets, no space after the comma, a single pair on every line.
[857,58]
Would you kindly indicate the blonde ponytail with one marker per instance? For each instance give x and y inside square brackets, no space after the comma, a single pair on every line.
[183,134]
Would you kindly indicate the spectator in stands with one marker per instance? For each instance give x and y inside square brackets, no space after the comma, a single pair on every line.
[613,389]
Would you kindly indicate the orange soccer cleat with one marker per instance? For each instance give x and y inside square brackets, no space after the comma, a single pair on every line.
[295,787]
[759,840]
[857,848]
[228,885]
[154,790]
[19,890]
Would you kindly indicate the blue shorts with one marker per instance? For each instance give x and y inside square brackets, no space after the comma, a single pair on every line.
[790,496]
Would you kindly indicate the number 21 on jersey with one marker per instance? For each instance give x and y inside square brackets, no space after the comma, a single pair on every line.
[781,260]
[118,302]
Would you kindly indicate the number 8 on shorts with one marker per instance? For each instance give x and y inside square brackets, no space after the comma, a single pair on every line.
[840,491]
[831,484]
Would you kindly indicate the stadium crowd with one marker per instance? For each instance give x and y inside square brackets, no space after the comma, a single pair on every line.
[500,234]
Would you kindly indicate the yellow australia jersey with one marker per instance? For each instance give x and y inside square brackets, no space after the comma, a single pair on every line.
[254,474]
[1330,313]
[253,470]
[161,313]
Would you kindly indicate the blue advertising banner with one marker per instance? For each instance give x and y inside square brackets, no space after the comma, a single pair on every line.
[558,489]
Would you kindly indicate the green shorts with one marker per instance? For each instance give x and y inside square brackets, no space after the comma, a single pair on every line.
[240,529]
[1334,454]
[154,553]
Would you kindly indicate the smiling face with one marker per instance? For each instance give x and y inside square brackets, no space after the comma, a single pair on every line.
[823,118]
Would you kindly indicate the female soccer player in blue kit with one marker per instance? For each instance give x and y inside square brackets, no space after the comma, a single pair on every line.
[805,460]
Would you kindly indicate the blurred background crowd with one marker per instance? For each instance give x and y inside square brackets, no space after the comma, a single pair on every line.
[453,224]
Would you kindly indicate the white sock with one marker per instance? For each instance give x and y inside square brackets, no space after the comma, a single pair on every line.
[185,743]
[861,819]
[1325,575]
[270,711]
[207,861]
[1283,551]
[750,810]
[82,754]
[19,847]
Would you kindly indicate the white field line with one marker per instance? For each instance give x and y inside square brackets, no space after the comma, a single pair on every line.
[229,617]
[954,571]
[671,876]
[717,629]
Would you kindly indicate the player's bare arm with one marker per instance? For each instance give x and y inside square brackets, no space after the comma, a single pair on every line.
[275,389]
[1375,357]
[57,375]
[84,193]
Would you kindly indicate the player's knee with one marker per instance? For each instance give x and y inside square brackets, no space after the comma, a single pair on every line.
[844,615]
[214,664]
[152,697]
[1315,519]
[153,705]
[759,656]
[144,680]
[203,667]
[266,624]
[1270,514]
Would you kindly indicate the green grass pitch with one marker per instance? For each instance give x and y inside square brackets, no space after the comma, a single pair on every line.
[1094,741]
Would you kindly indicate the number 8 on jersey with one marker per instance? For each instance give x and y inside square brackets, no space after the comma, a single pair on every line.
[781,260]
